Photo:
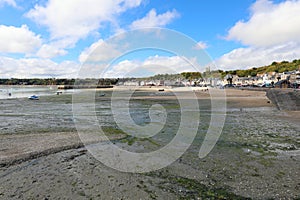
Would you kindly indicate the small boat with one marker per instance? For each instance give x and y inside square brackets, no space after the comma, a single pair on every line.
[33,97]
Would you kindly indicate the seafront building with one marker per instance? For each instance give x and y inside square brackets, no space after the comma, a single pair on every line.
[285,79]
[270,78]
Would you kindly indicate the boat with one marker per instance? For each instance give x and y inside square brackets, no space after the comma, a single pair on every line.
[33,97]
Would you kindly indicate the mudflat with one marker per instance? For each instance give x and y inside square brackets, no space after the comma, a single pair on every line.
[256,157]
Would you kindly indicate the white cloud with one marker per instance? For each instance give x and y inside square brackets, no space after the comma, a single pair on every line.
[36,68]
[8,2]
[77,19]
[50,51]
[152,19]
[201,45]
[55,48]
[99,51]
[122,69]
[174,64]
[271,34]
[270,24]
[244,58]
[262,6]
[150,66]
[18,40]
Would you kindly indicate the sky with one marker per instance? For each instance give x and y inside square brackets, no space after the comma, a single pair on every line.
[55,38]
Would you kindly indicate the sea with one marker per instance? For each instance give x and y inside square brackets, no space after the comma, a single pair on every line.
[12,91]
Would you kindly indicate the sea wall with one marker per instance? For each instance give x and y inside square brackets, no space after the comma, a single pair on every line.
[285,99]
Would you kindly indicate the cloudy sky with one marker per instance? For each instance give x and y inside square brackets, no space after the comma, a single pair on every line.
[53,38]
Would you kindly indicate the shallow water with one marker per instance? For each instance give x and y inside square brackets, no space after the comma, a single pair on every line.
[8,92]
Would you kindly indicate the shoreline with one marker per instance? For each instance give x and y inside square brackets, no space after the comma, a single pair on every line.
[202,92]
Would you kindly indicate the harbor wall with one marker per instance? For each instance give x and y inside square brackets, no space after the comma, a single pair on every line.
[285,99]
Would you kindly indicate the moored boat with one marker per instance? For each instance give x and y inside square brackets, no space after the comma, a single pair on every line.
[33,97]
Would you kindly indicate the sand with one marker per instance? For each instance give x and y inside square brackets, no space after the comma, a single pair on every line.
[257,156]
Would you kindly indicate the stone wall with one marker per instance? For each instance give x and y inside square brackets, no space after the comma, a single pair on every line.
[285,99]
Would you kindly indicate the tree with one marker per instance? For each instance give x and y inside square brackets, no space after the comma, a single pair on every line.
[278,78]
[253,73]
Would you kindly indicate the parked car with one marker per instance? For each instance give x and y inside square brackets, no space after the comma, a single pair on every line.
[267,85]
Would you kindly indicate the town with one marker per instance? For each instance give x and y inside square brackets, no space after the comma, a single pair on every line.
[278,75]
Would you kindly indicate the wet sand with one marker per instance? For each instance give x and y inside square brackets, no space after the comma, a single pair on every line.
[42,157]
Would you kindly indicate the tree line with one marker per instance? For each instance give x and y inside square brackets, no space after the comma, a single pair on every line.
[53,81]
[278,67]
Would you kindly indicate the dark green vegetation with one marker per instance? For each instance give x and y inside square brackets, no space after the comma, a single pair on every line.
[278,67]
[172,77]
[193,189]
[54,81]
[36,81]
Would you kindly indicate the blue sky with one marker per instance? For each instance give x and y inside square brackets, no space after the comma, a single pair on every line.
[52,38]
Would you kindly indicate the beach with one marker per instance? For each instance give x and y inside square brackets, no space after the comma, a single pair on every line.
[43,157]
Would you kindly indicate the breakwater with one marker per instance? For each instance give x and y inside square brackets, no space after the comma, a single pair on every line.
[285,99]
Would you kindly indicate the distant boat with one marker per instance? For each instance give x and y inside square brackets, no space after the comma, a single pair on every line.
[33,97]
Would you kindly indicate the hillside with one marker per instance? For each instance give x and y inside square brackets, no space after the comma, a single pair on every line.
[278,67]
